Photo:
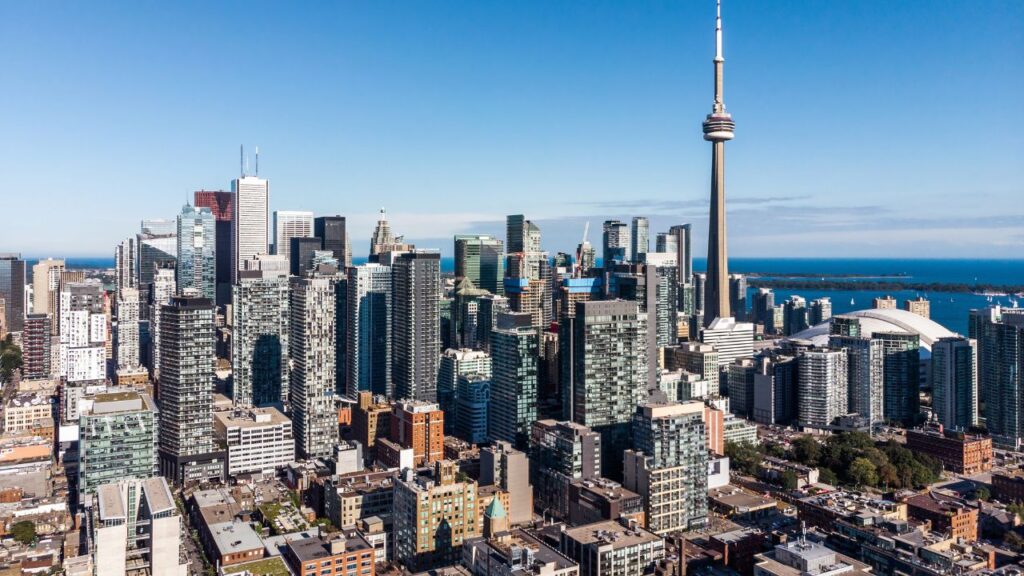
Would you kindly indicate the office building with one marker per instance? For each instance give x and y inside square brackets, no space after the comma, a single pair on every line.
[259,338]
[820,310]
[416,345]
[612,548]
[258,440]
[487,309]
[433,515]
[134,525]
[345,554]
[83,332]
[290,224]
[187,450]
[954,381]
[127,343]
[251,219]
[999,333]
[333,234]
[12,290]
[730,338]
[919,306]
[615,244]
[46,276]
[696,358]
[515,351]
[117,440]
[561,452]
[605,369]
[302,255]
[668,465]
[161,290]
[901,369]
[36,354]
[453,364]
[197,259]
[640,239]
[368,324]
[471,408]
[157,248]
[738,296]
[865,363]
[823,392]
[503,466]
[222,205]
[666,243]
[418,426]
[740,382]
[480,258]
[311,343]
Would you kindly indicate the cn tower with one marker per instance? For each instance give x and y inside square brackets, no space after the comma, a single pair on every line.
[718,127]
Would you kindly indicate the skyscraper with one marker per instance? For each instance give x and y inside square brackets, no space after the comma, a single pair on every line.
[252,196]
[1000,336]
[615,243]
[640,238]
[456,363]
[823,391]
[46,280]
[222,205]
[36,341]
[561,452]
[732,339]
[259,338]
[302,255]
[157,247]
[955,382]
[333,235]
[865,379]
[128,329]
[738,296]
[382,238]
[480,258]
[515,350]
[290,224]
[683,250]
[197,260]
[416,296]
[161,292]
[12,290]
[718,129]
[605,371]
[187,450]
[312,342]
[368,326]
[901,369]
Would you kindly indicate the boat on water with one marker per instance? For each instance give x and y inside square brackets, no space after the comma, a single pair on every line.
[852,302]
[991,294]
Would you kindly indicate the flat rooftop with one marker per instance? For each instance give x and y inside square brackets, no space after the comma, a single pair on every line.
[235,536]
[316,548]
[611,532]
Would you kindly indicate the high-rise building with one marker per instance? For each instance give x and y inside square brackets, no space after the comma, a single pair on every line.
[222,205]
[156,248]
[732,339]
[823,390]
[740,380]
[487,309]
[954,381]
[796,318]
[865,362]
[12,290]
[480,258]
[503,466]
[1000,336]
[368,325]
[718,129]
[605,371]
[36,341]
[46,278]
[433,515]
[884,303]
[197,259]
[260,327]
[515,233]
[668,465]
[117,440]
[456,362]
[764,302]
[697,358]
[383,240]
[127,348]
[250,222]
[83,332]
[187,450]
[471,410]
[683,251]
[311,343]
[666,297]
[901,370]
[819,311]
[333,235]
[416,296]
[775,390]
[561,452]
[615,243]
[738,296]
[290,224]
[640,238]
[134,523]
[515,350]
[258,440]
[161,290]
[302,255]
[919,306]
[418,426]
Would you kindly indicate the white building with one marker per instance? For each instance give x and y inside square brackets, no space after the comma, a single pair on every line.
[127,328]
[823,394]
[258,439]
[732,339]
[252,195]
[290,224]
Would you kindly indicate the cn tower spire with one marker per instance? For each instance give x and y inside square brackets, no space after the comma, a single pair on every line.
[718,129]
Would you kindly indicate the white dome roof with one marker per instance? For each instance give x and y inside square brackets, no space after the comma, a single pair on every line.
[887,320]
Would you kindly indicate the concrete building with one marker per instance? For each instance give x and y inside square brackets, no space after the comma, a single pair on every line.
[134,525]
[311,344]
[669,464]
[197,259]
[612,548]
[318,556]
[333,234]
[901,369]
[823,390]
[371,420]
[434,514]
[260,329]
[368,322]
[640,239]
[740,381]
[954,382]
[696,358]
[83,332]
[884,303]
[350,498]
[36,347]
[117,440]
[46,274]
[561,452]
[187,450]
[127,351]
[919,306]
[865,378]
[503,466]
[161,290]
[803,556]
[27,412]
[416,296]
[455,363]
[258,440]
[615,244]
[516,553]
[732,339]
[250,222]
[290,224]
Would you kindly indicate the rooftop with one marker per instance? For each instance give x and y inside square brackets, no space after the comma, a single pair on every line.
[316,548]
[251,418]
[881,320]
[235,536]
[611,532]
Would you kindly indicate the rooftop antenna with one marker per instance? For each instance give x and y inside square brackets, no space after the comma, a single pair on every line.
[241,159]
[257,160]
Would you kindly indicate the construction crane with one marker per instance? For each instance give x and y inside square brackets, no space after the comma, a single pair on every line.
[577,266]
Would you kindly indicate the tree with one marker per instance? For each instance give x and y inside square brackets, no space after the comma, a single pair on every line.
[743,456]
[806,450]
[24,532]
[827,476]
[789,480]
[10,358]
[862,472]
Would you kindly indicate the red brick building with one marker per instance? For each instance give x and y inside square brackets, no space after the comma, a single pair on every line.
[959,452]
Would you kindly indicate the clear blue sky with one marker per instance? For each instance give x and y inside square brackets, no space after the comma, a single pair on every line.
[864,128]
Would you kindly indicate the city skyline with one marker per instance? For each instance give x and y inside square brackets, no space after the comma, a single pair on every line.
[525,109]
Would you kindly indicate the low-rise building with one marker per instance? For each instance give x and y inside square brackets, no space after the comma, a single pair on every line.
[612,548]
[258,440]
[945,515]
[342,556]
[233,542]
[806,558]
[602,499]
[823,510]
[433,515]
[26,412]
[515,553]
[958,451]
[354,497]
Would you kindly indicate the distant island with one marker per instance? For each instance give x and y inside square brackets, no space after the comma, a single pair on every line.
[833,282]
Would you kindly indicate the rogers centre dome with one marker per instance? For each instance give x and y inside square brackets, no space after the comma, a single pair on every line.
[887,320]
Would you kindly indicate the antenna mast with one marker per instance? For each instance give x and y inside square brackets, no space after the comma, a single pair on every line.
[257,161]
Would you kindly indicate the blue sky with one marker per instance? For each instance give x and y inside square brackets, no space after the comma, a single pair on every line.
[864,128]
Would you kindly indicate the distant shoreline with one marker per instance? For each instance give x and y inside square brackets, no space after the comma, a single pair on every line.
[981,289]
